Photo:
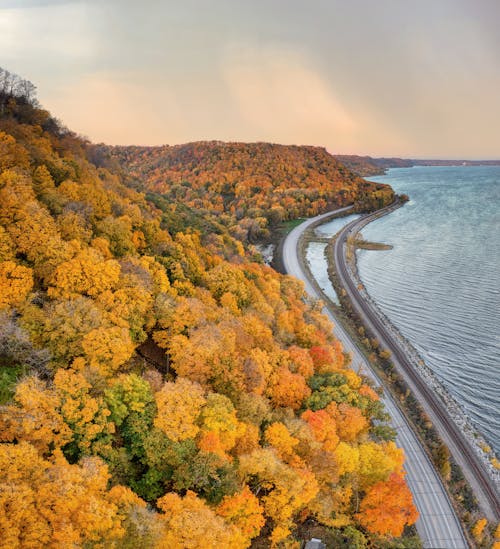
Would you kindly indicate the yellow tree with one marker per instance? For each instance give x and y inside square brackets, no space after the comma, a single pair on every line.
[64,415]
[12,154]
[131,308]
[53,504]
[6,245]
[16,282]
[128,393]
[279,437]
[43,182]
[61,326]
[228,278]
[377,462]
[478,529]
[211,356]
[244,511]
[287,490]
[218,421]
[190,524]
[85,414]
[106,349]
[179,405]
[73,226]
[86,274]
[30,226]
[346,458]
[34,417]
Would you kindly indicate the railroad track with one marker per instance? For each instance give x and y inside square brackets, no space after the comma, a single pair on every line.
[460,448]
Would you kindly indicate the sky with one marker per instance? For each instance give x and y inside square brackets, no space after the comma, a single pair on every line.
[408,78]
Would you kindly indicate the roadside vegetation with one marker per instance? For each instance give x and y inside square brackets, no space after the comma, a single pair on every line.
[357,242]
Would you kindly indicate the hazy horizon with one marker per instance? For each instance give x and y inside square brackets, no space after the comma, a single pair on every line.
[380,79]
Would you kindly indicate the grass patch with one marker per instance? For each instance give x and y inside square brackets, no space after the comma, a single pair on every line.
[287,226]
[9,375]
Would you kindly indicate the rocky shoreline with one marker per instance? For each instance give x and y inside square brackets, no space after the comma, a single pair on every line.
[455,410]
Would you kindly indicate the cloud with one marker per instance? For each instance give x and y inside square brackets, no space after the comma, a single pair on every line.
[375,79]
[281,96]
[275,95]
[47,35]
[118,108]
[7,4]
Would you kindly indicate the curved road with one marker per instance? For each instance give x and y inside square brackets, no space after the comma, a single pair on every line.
[438,525]
[460,448]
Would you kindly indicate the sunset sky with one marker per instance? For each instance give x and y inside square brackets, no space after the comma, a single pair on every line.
[379,77]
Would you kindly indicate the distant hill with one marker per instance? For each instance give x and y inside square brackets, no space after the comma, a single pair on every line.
[366,166]
[247,186]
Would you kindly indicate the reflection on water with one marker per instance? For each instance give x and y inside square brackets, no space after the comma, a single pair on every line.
[333,227]
[315,256]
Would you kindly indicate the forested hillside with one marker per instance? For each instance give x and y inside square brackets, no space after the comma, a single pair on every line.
[365,166]
[248,187]
[159,389]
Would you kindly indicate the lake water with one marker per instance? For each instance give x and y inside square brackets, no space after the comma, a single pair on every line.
[315,257]
[332,227]
[315,254]
[440,284]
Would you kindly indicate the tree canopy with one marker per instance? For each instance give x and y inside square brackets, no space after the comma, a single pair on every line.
[157,383]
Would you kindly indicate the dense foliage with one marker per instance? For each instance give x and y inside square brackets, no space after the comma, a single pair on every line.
[248,188]
[161,392]
[365,166]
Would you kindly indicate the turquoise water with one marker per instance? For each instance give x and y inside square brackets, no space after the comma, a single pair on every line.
[440,284]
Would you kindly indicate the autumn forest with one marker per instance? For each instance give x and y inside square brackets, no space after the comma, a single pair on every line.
[158,381]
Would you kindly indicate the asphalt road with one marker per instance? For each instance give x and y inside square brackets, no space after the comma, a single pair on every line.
[438,525]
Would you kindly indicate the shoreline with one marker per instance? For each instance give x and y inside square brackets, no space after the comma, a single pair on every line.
[454,408]
[465,444]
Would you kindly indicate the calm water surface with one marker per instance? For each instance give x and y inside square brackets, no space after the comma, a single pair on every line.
[332,227]
[315,254]
[440,284]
